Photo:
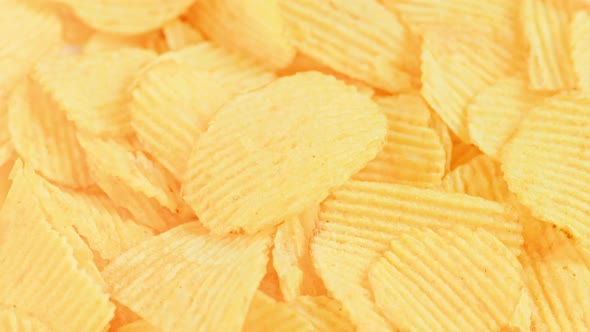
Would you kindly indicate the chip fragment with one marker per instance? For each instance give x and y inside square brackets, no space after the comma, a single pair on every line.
[266,314]
[242,177]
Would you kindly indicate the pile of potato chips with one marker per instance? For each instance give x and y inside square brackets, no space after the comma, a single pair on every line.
[294,165]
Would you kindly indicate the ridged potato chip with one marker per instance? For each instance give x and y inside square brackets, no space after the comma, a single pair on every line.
[325,313]
[495,112]
[180,34]
[138,326]
[171,104]
[12,320]
[546,162]
[413,153]
[169,280]
[97,106]
[579,45]
[453,279]
[266,314]
[376,54]
[255,28]
[43,137]
[39,269]
[242,177]
[444,136]
[545,24]
[128,17]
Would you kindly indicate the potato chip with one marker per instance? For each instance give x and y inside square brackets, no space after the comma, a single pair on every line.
[444,136]
[579,45]
[545,24]
[446,279]
[74,30]
[129,17]
[546,163]
[246,169]
[180,34]
[40,274]
[291,258]
[106,42]
[266,314]
[494,113]
[123,316]
[5,181]
[325,313]
[413,153]
[99,105]
[12,320]
[6,147]
[378,52]
[171,105]
[463,153]
[270,284]
[43,137]
[521,319]
[185,280]
[255,28]
[138,326]
[133,181]
[481,176]
[235,72]
[452,74]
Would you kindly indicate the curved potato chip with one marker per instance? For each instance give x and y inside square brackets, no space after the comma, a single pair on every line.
[453,279]
[12,320]
[255,28]
[138,326]
[179,34]
[413,153]
[171,105]
[579,44]
[43,137]
[266,314]
[494,114]
[184,279]
[379,53]
[463,153]
[99,105]
[545,24]
[325,313]
[129,17]
[546,163]
[39,269]
[242,177]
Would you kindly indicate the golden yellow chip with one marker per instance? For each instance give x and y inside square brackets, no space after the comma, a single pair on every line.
[453,279]
[43,137]
[380,53]
[74,30]
[481,176]
[93,89]
[545,24]
[579,44]
[5,181]
[235,72]
[123,316]
[180,34]
[129,17]
[521,319]
[266,314]
[494,113]
[463,153]
[255,28]
[246,169]
[12,320]
[270,284]
[171,104]
[546,163]
[6,147]
[191,276]
[39,267]
[413,153]
[325,313]
[106,42]
[444,136]
[138,326]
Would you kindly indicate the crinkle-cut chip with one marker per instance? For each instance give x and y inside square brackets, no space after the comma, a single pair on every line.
[130,17]
[255,28]
[557,278]
[266,314]
[291,257]
[106,42]
[495,112]
[359,39]
[12,320]
[358,220]
[138,326]
[444,135]
[74,30]
[185,279]
[93,88]
[133,181]
[179,34]
[579,44]
[463,153]
[245,172]
[5,181]
[521,319]
[237,73]
[481,176]
[325,313]
[28,34]
[171,104]
[453,279]
[40,274]
[452,73]
[413,153]
[545,25]
[547,162]
[43,137]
